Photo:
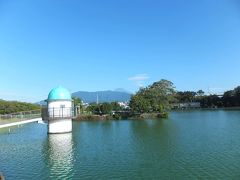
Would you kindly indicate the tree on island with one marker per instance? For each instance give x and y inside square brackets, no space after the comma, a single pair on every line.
[155,98]
[103,108]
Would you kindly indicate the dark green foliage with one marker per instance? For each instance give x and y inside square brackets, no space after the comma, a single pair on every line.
[154,98]
[116,107]
[185,96]
[210,101]
[93,108]
[232,98]
[7,107]
[103,108]
[93,118]
[78,102]
[229,99]
[200,93]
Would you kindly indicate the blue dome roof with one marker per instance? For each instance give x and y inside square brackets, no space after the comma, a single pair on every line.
[59,93]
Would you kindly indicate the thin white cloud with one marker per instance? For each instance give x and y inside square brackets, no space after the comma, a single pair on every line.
[139,79]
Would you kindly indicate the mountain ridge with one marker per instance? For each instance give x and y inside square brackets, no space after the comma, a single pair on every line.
[103,96]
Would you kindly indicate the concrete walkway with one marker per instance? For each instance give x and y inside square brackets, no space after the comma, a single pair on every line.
[7,123]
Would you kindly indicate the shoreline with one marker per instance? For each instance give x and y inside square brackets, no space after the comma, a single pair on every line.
[121,117]
[144,115]
[218,108]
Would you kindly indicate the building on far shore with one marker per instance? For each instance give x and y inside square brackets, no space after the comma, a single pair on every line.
[187,105]
[124,105]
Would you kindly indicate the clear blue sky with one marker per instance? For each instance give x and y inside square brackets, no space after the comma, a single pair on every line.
[100,45]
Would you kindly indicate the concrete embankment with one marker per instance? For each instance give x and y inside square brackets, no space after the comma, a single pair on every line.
[92,118]
[122,116]
[4,124]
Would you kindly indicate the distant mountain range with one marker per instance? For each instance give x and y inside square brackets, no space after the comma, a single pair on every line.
[119,95]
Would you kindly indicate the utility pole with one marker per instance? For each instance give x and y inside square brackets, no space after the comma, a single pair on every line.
[97,99]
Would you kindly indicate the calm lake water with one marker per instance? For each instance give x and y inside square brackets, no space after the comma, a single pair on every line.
[188,145]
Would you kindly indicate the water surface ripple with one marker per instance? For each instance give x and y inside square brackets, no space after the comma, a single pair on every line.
[188,145]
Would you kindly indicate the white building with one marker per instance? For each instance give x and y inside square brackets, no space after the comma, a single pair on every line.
[59,111]
[125,105]
[188,105]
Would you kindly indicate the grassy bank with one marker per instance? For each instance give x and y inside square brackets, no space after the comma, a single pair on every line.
[93,118]
[150,116]
[121,117]
[7,107]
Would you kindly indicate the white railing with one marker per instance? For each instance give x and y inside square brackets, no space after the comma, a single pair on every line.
[58,113]
[20,116]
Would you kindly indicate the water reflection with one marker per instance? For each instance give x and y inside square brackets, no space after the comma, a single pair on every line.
[60,155]
[188,145]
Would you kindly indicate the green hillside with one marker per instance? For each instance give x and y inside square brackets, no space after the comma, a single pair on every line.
[7,107]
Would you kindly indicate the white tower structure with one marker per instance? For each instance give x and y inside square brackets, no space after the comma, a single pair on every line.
[59,111]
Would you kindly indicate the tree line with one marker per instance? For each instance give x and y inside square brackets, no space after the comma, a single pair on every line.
[155,98]
[160,97]
[7,107]
[97,109]
[230,98]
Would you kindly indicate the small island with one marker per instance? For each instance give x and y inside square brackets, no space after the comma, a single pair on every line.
[153,101]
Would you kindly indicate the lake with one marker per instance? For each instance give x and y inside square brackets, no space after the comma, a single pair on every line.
[188,145]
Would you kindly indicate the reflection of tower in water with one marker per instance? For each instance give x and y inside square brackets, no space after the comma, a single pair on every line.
[60,156]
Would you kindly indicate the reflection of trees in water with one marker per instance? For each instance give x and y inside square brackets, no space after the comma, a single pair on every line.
[154,142]
[58,155]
